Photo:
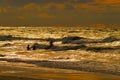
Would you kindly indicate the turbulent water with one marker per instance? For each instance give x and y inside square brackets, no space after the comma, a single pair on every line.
[75,48]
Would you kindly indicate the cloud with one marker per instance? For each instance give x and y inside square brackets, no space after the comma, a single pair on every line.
[45,15]
[60,11]
[66,5]
[30,6]
[3,10]
[48,7]
[55,7]
[21,17]
[98,5]
[105,2]
[5,1]
[59,5]
[82,1]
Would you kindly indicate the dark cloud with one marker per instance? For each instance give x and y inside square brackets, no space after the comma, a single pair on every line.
[36,12]
[83,1]
[23,2]
[18,2]
[69,7]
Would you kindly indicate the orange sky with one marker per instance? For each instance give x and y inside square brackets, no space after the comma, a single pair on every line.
[63,12]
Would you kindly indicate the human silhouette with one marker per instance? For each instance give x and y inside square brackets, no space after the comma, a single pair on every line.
[51,43]
[28,47]
[34,47]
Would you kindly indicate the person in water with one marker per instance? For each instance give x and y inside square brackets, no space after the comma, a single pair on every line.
[34,47]
[28,47]
[51,43]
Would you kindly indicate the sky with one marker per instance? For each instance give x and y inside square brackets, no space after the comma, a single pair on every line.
[59,12]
